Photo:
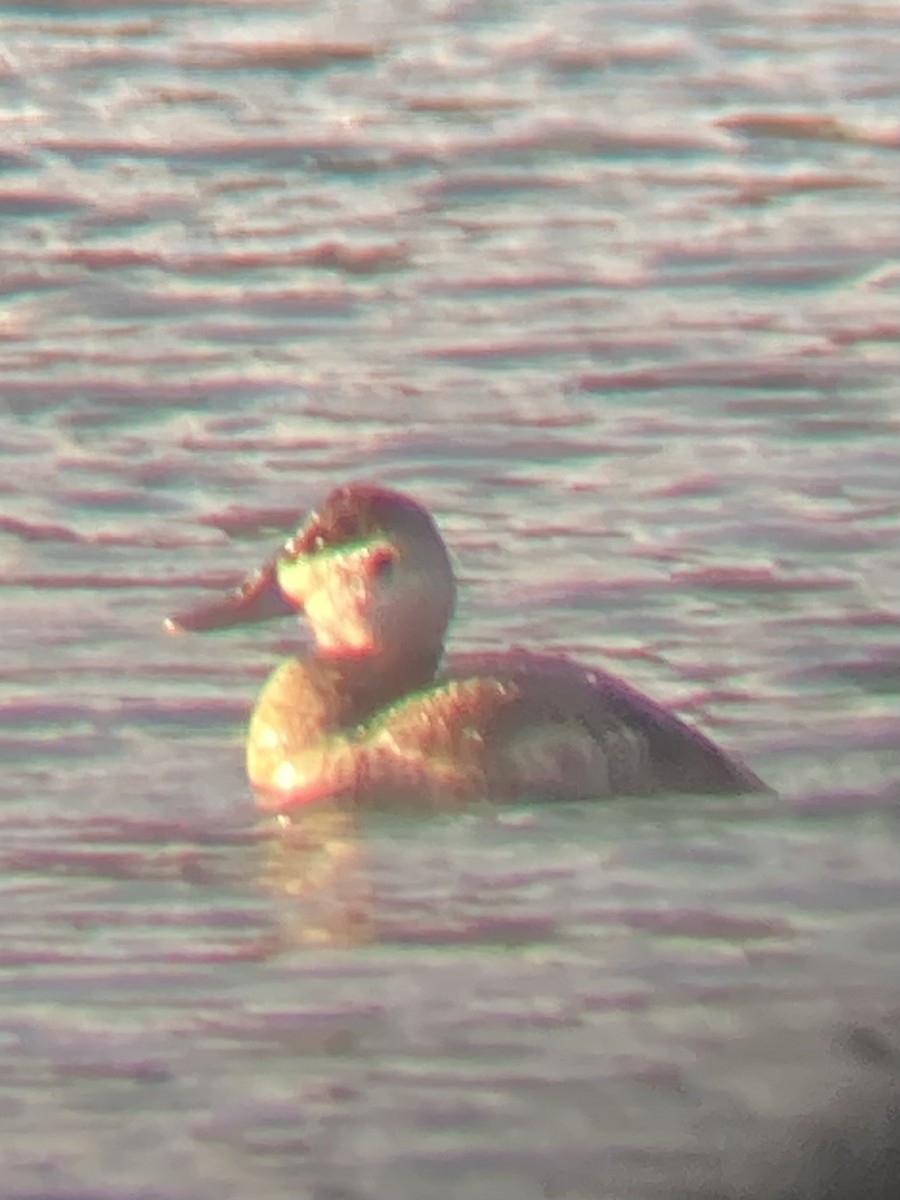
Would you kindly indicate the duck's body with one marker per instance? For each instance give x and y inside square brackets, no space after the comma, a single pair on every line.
[374,717]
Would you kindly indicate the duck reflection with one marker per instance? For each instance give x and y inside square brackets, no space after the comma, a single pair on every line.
[320,864]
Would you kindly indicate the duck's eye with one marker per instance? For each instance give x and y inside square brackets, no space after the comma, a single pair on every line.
[383,566]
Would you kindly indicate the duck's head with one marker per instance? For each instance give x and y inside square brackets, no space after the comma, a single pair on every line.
[368,568]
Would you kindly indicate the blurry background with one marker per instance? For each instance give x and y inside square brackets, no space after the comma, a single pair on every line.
[612,288]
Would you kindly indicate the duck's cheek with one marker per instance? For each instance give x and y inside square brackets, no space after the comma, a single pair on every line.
[341,626]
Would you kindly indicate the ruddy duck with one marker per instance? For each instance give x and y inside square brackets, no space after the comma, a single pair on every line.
[374,717]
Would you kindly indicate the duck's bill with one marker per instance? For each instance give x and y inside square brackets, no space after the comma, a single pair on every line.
[258,598]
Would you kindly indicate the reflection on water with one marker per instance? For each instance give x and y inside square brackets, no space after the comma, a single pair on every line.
[320,863]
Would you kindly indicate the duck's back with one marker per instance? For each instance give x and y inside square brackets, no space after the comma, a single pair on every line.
[560,729]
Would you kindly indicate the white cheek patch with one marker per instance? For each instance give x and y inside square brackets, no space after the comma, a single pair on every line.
[340,602]
[340,628]
[326,623]
[337,588]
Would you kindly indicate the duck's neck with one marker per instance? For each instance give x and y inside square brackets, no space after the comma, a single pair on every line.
[371,682]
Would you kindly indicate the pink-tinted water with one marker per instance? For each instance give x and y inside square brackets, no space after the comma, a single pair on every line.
[613,288]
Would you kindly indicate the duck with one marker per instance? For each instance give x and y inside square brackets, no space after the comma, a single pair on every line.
[377,716]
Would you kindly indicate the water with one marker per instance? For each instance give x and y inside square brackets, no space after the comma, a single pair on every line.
[613,289]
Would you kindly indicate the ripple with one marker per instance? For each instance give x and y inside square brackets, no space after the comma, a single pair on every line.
[809,126]
[283,55]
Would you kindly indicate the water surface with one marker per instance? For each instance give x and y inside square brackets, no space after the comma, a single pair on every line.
[613,289]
